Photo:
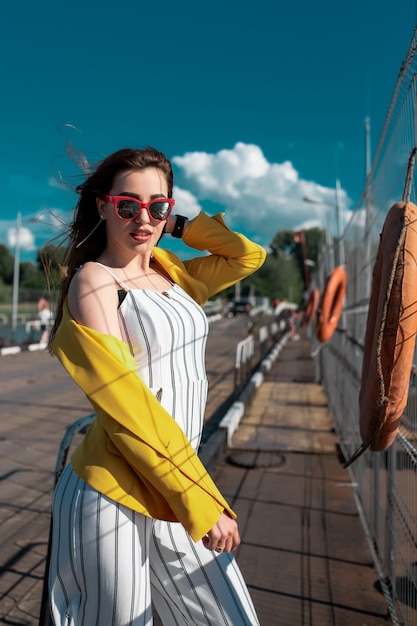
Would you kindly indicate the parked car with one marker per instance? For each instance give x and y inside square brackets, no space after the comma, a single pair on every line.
[241,307]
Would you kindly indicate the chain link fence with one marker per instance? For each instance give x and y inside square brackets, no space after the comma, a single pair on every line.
[385,483]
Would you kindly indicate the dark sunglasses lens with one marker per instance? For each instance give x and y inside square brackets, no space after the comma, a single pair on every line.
[159,210]
[127,209]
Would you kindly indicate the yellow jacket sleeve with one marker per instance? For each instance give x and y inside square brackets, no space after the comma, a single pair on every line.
[232,257]
[134,452]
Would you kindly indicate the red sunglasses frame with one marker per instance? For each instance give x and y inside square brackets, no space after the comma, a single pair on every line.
[142,205]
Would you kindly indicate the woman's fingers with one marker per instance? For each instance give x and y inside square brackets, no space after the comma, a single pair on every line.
[224,536]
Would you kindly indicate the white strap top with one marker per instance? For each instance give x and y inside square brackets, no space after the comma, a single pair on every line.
[167,338]
[118,281]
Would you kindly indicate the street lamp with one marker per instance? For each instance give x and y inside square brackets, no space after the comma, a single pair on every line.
[16,269]
[336,207]
[16,272]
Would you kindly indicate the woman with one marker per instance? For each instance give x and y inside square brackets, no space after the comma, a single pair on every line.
[131,332]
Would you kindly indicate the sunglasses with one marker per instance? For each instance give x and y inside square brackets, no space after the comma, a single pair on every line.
[128,208]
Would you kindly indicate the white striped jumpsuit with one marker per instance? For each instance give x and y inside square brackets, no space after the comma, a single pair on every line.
[109,564]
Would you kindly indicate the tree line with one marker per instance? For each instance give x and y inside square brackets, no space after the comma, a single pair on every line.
[35,278]
[282,276]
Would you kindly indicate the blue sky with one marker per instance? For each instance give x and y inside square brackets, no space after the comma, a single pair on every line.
[258,104]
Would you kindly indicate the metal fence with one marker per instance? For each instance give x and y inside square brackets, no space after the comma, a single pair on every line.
[385,483]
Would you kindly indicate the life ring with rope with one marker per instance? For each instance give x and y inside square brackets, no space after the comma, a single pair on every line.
[311,306]
[331,304]
[390,330]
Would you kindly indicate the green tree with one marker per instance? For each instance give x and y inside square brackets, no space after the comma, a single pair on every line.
[279,277]
[285,242]
[31,276]
[6,264]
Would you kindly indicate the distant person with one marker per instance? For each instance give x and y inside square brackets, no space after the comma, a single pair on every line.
[294,323]
[137,520]
[45,318]
[275,304]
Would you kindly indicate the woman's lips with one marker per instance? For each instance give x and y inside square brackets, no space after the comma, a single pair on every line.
[140,234]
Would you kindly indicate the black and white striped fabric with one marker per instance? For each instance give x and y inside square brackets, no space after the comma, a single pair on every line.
[109,564]
[167,335]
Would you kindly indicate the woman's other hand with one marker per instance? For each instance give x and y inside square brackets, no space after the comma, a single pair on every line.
[224,536]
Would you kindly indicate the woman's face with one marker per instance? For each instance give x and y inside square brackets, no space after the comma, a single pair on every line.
[140,234]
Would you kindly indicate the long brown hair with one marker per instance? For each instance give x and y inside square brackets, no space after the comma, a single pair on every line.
[86,230]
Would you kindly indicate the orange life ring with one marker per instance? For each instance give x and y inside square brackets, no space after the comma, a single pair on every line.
[312,304]
[390,330]
[331,305]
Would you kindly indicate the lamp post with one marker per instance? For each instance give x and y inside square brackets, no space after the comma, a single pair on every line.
[16,269]
[16,275]
[336,207]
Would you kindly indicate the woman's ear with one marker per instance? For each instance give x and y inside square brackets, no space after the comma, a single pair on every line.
[100,206]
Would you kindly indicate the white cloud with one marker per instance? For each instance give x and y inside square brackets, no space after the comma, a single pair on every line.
[26,238]
[260,198]
[186,203]
[35,229]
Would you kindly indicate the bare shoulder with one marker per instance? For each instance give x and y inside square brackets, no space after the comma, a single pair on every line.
[92,274]
[93,299]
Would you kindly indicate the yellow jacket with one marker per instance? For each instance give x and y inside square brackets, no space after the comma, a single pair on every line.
[134,452]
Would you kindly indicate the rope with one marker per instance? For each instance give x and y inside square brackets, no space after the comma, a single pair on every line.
[382,396]
[318,349]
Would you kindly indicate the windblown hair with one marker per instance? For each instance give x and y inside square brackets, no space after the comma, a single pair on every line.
[85,228]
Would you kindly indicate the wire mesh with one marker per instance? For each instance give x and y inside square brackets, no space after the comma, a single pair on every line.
[386,490]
